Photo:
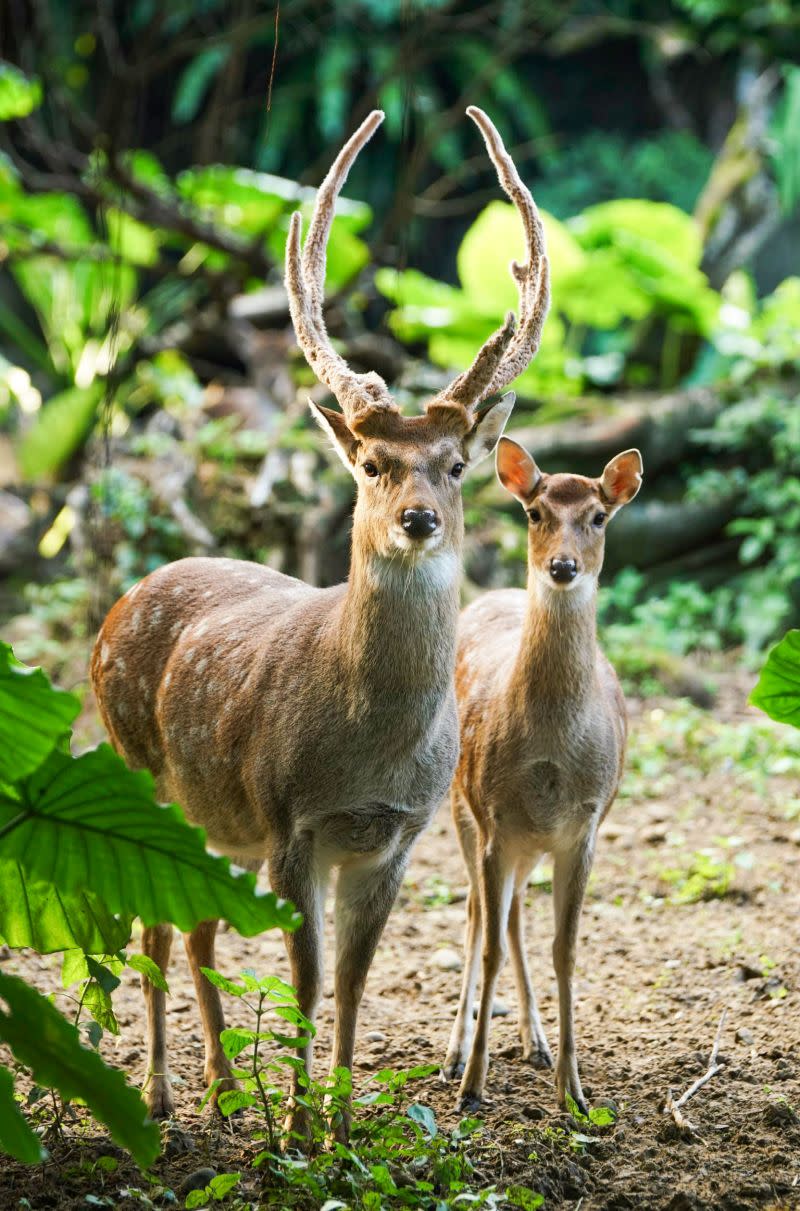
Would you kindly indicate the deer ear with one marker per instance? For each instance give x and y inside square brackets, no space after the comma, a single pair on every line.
[490,423]
[622,478]
[516,470]
[334,425]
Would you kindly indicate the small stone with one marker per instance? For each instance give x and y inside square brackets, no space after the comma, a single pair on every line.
[197,1181]
[446,959]
[499,1010]
[176,1141]
[375,1036]
[745,1036]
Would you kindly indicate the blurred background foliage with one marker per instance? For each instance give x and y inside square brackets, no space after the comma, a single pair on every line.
[152,403]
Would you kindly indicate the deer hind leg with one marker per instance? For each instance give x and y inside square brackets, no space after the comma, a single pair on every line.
[534,1044]
[295,876]
[496,881]
[570,875]
[199,946]
[156,944]
[461,1035]
[364,898]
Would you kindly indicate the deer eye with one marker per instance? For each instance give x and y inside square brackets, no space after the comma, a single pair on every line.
[598,519]
[534,515]
[370,469]
[457,471]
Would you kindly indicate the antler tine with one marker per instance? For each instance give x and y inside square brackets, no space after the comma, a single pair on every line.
[305,285]
[533,277]
[509,350]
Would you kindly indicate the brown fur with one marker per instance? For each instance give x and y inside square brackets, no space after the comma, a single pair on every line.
[542,723]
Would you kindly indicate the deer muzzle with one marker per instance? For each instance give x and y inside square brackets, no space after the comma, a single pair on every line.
[419,523]
[563,570]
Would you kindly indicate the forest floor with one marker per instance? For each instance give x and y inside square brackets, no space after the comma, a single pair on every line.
[693,908]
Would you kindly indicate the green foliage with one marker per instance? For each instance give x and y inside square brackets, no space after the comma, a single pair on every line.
[19,95]
[778,690]
[705,877]
[59,430]
[138,858]
[34,716]
[398,1155]
[786,133]
[49,1046]
[614,267]
[83,848]
[16,1137]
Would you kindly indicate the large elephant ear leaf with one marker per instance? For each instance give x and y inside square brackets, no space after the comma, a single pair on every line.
[42,918]
[49,1046]
[34,716]
[16,1137]
[777,692]
[89,821]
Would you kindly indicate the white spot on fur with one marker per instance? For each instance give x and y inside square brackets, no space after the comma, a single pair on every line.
[176,627]
[188,654]
[105,652]
[143,686]
[201,664]
[209,593]
[136,618]
[200,628]
[253,580]
[155,616]
[120,664]
[177,590]
[167,680]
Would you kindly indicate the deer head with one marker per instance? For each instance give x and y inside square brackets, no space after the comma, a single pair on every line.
[567,514]
[409,469]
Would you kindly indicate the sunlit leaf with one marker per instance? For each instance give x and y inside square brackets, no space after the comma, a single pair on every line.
[34,716]
[19,95]
[777,691]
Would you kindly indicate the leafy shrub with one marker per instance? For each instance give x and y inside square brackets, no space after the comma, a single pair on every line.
[615,267]
[84,848]
[778,690]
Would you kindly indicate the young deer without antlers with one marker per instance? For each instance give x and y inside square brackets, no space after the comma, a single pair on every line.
[543,734]
[317,728]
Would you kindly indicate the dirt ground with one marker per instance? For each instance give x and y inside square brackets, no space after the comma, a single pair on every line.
[708,815]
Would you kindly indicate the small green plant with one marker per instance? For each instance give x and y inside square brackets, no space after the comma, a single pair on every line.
[706,877]
[397,1155]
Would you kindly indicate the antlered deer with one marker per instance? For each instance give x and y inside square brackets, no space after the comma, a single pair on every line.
[543,733]
[316,728]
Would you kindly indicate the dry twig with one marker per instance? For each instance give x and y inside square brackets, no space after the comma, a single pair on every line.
[673,1107]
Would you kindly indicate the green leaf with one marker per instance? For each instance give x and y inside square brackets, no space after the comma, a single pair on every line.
[16,1137]
[19,96]
[59,429]
[234,1040]
[42,1040]
[38,916]
[523,1196]
[223,1183]
[195,80]
[425,1117]
[97,1000]
[222,982]
[146,967]
[777,691]
[34,716]
[231,1100]
[90,821]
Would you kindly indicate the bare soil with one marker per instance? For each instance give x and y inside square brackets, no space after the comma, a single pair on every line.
[654,976]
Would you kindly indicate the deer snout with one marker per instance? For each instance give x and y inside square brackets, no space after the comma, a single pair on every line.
[419,523]
[563,570]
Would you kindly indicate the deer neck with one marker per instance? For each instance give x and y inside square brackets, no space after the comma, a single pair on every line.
[397,622]
[557,659]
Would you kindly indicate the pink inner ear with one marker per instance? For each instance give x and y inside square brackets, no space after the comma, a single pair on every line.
[516,470]
[619,481]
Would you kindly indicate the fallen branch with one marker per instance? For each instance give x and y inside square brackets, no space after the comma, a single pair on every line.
[673,1107]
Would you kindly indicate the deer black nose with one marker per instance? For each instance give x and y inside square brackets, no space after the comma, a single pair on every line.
[419,523]
[563,570]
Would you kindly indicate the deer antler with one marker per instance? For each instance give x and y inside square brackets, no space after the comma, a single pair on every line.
[305,283]
[509,350]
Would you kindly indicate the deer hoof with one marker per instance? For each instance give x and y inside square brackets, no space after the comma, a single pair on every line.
[451,1070]
[160,1102]
[538,1054]
[469,1102]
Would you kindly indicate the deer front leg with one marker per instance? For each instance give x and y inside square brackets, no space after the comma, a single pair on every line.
[157,944]
[461,1034]
[199,946]
[295,876]
[496,884]
[363,902]
[531,1032]
[570,875]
